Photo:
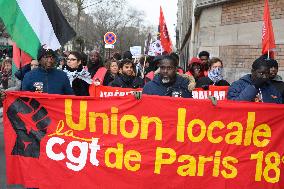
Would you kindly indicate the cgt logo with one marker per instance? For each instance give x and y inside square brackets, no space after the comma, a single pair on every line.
[28,136]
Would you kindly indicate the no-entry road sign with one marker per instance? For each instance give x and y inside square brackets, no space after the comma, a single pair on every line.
[110,38]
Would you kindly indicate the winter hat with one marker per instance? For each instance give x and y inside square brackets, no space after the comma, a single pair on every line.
[195,60]
[44,52]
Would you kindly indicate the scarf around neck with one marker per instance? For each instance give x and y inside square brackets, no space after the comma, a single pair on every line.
[79,73]
[215,75]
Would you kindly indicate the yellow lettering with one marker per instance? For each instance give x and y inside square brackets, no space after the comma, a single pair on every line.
[161,161]
[181,124]
[114,112]
[145,121]
[118,153]
[187,169]
[82,118]
[135,124]
[190,130]
[133,156]
[92,122]
[261,131]
[234,137]
[225,163]
[217,161]
[215,124]
[250,126]
[201,164]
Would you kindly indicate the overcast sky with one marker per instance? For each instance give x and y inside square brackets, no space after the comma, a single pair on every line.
[152,12]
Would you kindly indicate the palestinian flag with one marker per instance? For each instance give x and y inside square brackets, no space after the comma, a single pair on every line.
[34,23]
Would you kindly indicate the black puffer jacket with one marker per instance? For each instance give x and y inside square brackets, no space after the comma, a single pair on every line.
[108,78]
[124,81]
[278,83]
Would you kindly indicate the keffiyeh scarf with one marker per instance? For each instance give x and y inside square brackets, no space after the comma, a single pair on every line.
[82,74]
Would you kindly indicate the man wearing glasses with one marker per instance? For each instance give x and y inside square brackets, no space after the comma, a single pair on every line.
[46,78]
[168,82]
[255,87]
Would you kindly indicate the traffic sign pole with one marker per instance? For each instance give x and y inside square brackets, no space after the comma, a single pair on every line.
[110,39]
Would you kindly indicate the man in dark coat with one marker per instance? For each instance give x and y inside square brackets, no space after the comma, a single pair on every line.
[168,83]
[127,78]
[275,79]
[255,87]
[95,62]
[47,78]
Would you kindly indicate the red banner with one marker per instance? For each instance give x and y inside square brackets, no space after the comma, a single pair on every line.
[220,92]
[54,141]
[106,91]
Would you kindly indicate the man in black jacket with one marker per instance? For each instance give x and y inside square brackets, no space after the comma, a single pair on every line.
[275,79]
[168,82]
[95,62]
[127,78]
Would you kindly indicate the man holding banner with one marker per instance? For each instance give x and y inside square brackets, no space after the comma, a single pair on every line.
[168,83]
[45,78]
[255,87]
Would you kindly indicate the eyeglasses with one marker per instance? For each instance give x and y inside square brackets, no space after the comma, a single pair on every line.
[71,59]
[47,56]
[167,67]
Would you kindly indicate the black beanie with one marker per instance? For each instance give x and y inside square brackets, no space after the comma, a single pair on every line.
[43,52]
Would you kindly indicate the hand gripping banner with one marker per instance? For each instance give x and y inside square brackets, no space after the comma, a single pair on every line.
[54,141]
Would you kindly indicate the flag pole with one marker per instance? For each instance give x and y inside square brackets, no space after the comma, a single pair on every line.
[21,70]
[143,70]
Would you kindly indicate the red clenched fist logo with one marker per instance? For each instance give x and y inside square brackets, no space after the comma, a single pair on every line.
[28,135]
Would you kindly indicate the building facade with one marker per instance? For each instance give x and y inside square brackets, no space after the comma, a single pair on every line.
[229,29]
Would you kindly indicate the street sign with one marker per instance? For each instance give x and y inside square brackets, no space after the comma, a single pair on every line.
[110,38]
[108,46]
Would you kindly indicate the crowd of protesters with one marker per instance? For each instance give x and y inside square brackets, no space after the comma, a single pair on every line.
[72,73]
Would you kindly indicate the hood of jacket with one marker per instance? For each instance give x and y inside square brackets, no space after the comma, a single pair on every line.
[246,78]
[277,78]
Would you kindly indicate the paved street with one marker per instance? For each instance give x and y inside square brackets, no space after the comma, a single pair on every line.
[3,184]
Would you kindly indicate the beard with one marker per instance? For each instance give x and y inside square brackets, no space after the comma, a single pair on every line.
[166,80]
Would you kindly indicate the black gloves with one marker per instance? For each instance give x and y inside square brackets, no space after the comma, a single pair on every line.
[259,82]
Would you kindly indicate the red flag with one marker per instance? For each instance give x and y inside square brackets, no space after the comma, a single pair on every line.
[268,41]
[164,35]
[19,55]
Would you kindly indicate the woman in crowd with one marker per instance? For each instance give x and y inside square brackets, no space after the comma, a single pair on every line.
[214,75]
[34,64]
[61,62]
[7,80]
[19,75]
[79,78]
[112,71]
[194,68]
